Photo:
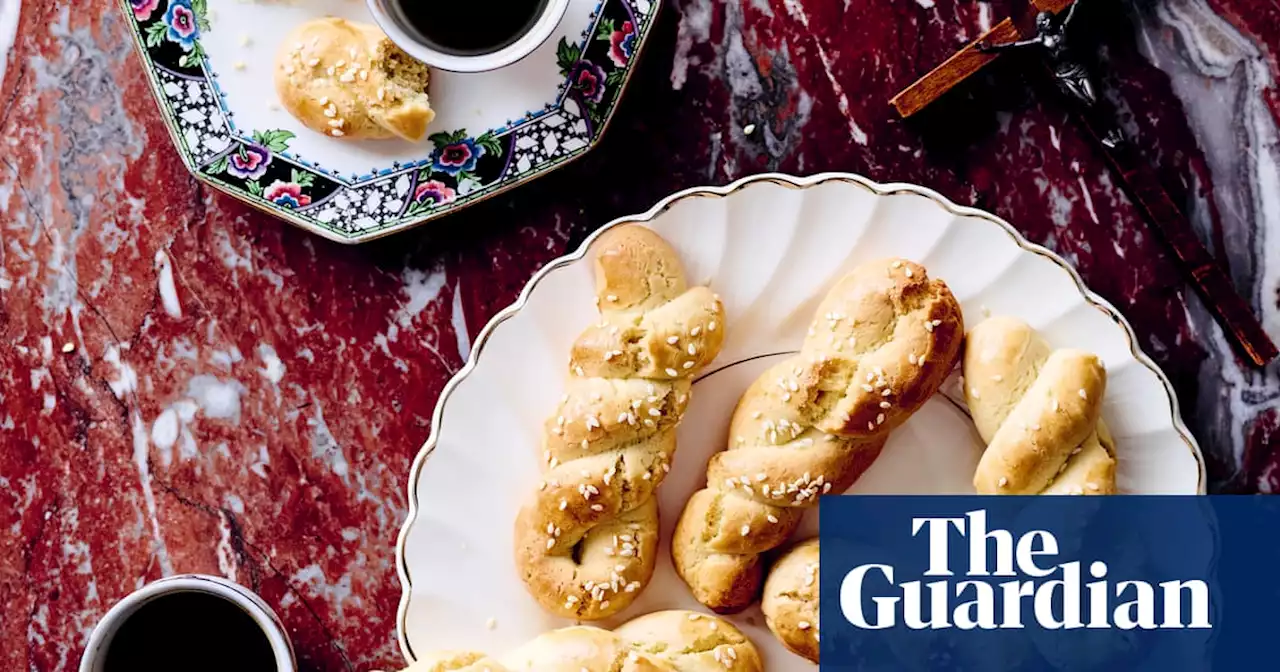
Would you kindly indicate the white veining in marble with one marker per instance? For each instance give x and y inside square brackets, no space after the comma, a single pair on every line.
[695,27]
[10,10]
[1221,79]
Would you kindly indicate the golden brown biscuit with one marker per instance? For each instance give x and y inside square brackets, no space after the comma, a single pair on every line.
[884,339]
[691,642]
[790,601]
[348,80]
[1039,410]
[456,661]
[587,540]
[664,641]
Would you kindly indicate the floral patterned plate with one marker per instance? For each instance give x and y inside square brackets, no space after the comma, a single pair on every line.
[210,66]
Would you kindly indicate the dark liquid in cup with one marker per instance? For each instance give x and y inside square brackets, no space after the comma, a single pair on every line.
[192,632]
[469,27]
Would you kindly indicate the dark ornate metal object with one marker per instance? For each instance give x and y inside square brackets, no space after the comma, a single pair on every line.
[1062,70]
[1069,70]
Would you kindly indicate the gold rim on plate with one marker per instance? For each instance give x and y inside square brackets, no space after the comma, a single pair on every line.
[791,182]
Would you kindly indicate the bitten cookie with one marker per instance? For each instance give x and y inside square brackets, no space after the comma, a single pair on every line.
[348,80]
[790,602]
[1038,410]
[883,340]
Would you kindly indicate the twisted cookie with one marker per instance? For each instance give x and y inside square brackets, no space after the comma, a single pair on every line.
[884,339]
[1038,409]
[585,545]
[665,641]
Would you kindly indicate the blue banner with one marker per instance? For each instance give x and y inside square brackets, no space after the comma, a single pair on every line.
[1030,584]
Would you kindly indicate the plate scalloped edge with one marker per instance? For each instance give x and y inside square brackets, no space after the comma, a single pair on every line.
[791,181]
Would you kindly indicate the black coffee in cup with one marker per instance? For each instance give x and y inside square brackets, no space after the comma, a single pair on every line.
[189,631]
[468,27]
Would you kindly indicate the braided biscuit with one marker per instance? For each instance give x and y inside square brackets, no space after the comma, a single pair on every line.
[884,339]
[790,601]
[1038,410]
[664,641]
[586,543]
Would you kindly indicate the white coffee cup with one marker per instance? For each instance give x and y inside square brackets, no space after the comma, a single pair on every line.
[95,653]
[406,39]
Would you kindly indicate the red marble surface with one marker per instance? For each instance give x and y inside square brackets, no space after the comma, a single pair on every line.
[258,420]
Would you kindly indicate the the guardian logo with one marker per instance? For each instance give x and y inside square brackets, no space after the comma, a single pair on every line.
[1064,601]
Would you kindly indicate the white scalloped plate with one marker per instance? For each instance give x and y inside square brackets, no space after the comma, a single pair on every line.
[770,245]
